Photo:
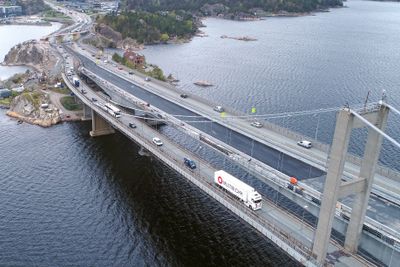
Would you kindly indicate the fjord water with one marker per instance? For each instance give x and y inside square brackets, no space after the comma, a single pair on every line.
[68,199]
[297,64]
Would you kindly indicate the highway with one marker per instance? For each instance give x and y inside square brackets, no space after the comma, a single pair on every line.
[279,221]
[274,158]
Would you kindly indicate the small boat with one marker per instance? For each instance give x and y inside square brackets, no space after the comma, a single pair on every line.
[203,83]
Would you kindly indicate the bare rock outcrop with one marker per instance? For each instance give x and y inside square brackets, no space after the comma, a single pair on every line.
[36,54]
[29,107]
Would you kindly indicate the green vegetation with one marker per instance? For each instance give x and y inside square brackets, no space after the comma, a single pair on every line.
[64,91]
[54,14]
[69,103]
[5,101]
[155,71]
[33,97]
[231,6]
[30,7]
[150,28]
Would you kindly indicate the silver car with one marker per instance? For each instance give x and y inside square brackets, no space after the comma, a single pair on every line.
[157,141]
[256,124]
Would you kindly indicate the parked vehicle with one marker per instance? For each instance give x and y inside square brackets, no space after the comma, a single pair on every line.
[184,95]
[247,194]
[147,79]
[304,143]
[256,124]
[157,141]
[219,109]
[132,125]
[94,99]
[190,163]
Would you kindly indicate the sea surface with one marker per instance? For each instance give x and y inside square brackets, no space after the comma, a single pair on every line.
[308,63]
[71,200]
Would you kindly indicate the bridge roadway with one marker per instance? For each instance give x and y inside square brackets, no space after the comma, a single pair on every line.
[287,231]
[293,161]
[261,151]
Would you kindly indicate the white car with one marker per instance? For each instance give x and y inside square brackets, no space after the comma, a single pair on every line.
[219,109]
[256,124]
[304,143]
[157,141]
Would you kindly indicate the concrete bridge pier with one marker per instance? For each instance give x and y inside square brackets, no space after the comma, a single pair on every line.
[87,113]
[100,126]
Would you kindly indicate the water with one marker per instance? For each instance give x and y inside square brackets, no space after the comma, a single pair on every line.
[304,63]
[68,199]
[14,34]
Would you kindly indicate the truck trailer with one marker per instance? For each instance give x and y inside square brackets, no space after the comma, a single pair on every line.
[247,194]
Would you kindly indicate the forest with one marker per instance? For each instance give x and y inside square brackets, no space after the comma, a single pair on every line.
[149,28]
[233,6]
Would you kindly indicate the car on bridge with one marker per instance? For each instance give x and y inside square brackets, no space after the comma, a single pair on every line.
[256,124]
[304,143]
[157,141]
[190,163]
[219,109]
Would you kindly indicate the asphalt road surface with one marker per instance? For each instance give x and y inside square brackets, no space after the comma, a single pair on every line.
[272,157]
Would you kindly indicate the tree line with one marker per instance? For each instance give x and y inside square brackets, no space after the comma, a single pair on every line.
[233,5]
[149,28]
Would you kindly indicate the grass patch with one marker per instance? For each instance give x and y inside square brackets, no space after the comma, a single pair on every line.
[69,103]
[64,91]
[5,101]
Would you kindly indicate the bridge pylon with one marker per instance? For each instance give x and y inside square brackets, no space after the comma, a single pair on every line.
[361,186]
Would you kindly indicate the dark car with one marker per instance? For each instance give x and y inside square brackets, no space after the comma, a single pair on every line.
[132,125]
[184,95]
[190,163]
[94,99]
[131,72]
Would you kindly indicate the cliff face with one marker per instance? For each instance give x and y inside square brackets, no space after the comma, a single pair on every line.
[29,52]
[35,54]
[27,107]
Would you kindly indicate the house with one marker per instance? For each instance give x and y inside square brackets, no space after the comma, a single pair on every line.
[134,57]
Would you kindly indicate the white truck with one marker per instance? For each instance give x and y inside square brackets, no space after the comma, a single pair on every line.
[247,194]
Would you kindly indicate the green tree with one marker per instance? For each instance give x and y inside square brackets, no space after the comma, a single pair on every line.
[164,37]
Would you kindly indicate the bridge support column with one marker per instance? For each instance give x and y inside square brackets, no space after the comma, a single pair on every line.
[337,159]
[87,113]
[367,171]
[100,126]
[360,186]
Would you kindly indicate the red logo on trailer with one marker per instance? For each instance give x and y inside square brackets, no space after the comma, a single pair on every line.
[219,179]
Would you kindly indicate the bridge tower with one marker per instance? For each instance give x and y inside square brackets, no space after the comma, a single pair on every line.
[334,188]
